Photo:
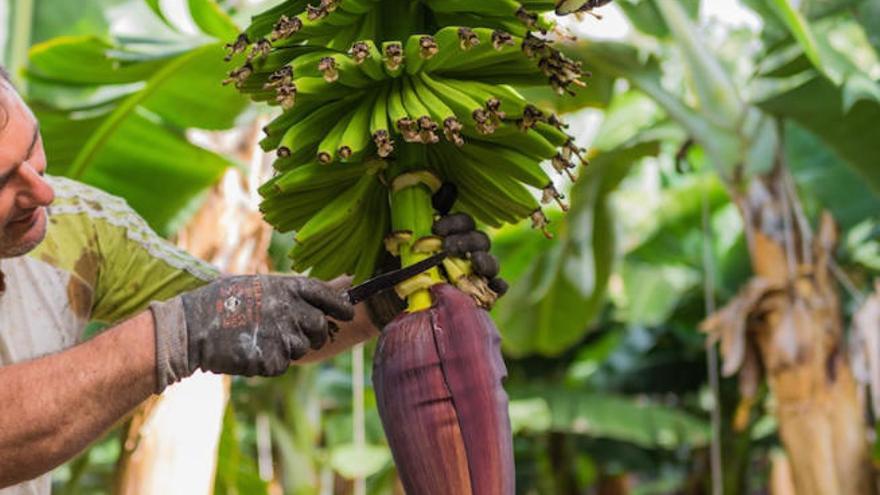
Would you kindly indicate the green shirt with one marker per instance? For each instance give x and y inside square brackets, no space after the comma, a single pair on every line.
[99,262]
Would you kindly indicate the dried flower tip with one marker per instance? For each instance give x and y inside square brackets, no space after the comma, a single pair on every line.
[427,130]
[452,131]
[344,152]
[531,116]
[530,19]
[359,51]
[285,28]
[281,77]
[393,56]
[540,221]
[562,165]
[551,194]
[325,158]
[409,129]
[571,148]
[384,144]
[239,75]
[314,13]
[261,49]
[500,39]
[493,106]
[556,122]
[238,46]
[283,152]
[327,66]
[330,5]
[484,120]
[562,71]
[285,95]
[427,47]
[467,38]
[533,46]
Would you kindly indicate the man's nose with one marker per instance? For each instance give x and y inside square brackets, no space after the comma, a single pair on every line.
[35,191]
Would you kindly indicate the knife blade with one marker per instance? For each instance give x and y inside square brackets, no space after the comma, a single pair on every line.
[388,280]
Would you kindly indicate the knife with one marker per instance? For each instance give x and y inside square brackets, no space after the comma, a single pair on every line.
[388,280]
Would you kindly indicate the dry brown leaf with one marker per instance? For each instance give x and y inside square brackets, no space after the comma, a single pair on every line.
[866,330]
[728,325]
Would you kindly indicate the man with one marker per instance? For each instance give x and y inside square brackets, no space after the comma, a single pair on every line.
[70,254]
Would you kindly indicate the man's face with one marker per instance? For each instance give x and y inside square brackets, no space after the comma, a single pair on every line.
[24,193]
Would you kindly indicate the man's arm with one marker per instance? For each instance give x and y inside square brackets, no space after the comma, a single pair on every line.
[51,408]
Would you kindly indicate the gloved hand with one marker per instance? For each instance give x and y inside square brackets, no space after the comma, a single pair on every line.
[244,325]
[461,239]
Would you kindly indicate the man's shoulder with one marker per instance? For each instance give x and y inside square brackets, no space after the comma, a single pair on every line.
[85,218]
[75,198]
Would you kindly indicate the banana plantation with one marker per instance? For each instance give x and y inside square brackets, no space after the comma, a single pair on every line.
[682,198]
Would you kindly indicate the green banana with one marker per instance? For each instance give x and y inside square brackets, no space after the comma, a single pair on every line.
[346,35]
[393,58]
[368,57]
[337,211]
[291,212]
[357,6]
[494,47]
[378,224]
[510,200]
[356,137]
[419,47]
[379,128]
[311,176]
[488,7]
[439,111]
[329,146]
[309,131]
[397,112]
[414,107]
[528,142]
[263,23]
[465,107]
[452,42]
[508,161]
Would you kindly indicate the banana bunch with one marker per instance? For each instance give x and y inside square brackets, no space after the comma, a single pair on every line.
[386,106]
[365,100]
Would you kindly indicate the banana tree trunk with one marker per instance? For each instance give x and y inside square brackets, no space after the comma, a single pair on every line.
[171,447]
[787,324]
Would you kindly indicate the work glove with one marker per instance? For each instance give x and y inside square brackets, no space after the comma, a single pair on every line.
[461,239]
[244,325]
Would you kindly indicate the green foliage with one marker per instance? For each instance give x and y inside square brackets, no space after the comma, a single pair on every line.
[110,112]
[817,105]
[236,473]
[572,271]
[600,415]
[647,17]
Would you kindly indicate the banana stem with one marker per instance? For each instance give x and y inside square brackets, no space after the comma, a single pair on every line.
[411,210]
